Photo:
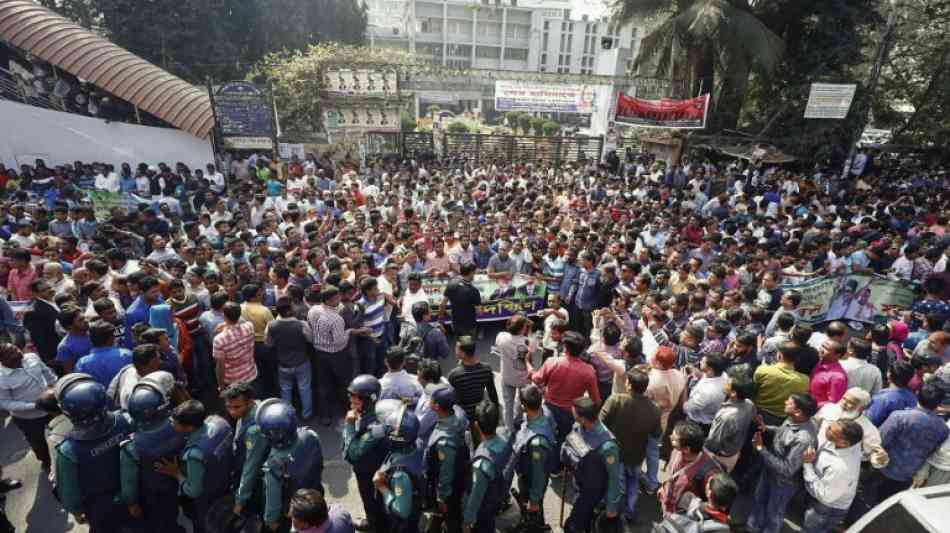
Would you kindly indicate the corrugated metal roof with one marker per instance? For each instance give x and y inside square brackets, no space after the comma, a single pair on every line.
[82,53]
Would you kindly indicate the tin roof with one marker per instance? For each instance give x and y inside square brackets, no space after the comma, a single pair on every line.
[87,55]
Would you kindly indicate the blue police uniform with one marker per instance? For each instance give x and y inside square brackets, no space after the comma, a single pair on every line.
[488,488]
[447,460]
[365,447]
[287,470]
[534,457]
[207,458]
[250,451]
[87,473]
[142,485]
[405,477]
[594,457]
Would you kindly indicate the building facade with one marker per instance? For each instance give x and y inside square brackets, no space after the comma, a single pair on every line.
[512,35]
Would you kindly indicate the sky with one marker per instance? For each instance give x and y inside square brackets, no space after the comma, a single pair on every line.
[594,8]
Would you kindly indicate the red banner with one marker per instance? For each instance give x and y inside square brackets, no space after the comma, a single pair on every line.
[665,113]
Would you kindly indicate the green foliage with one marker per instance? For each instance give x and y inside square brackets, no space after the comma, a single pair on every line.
[537,125]
[524,122]
[512,118]
[550,128]
[407,123]
[218,38]
[296,78]
[458,127]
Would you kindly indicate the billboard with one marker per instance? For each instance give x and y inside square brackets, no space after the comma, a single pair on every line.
[545,97]
[339,117]
[860,297]
[665,113]
[830,100]
[364,82]
[243,110]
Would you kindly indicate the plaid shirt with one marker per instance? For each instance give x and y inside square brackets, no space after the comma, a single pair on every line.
[234,347]
[329,330]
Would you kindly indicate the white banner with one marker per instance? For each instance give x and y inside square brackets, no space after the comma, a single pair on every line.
[352,117]
[546,97]
[381,83]
[830,100]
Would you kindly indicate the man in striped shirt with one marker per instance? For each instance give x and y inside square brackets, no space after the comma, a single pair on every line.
[334,366]
[374,318]
[233,349]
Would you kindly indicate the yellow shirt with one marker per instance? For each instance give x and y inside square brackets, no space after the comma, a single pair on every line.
[258,315]
[774,384]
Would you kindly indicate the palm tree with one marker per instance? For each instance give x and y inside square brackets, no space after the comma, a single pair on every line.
[721,41]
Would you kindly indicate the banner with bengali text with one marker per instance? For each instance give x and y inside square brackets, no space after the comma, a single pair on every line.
[665,113]
[500,299]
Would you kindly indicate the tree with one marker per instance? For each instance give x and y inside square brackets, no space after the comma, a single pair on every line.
[524,122]
[407,123]
[512,117]
[296,79]
[550,128]
[717,43]
[537,124]
[222,39]
[458,127]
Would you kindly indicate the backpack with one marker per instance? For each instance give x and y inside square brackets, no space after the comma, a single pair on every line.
[415,347]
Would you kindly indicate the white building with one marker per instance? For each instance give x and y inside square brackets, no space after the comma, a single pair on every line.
[515,35]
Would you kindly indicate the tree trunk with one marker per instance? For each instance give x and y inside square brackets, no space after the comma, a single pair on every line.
[729,100]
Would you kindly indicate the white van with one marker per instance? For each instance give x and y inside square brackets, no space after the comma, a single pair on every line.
[910,511]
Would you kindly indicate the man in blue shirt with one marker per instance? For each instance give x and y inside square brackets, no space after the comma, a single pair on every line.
[75,344]
[104,360]
[897,396]
[150,294]
[909,437]
[585,294]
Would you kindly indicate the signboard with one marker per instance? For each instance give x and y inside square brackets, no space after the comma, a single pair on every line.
[242,110]
[340,117]
[500,299]
[860,297]
[366,82]
[664,113]
[829,100]
[249,143]
[288,150]
[545,97]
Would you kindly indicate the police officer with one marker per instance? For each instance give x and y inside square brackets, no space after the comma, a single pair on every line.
[151,497]
[446,459]
[534,453]
[594,456]
[309,513]
[484,500]
[401,477]
[295,461]
[204,467]
[250,447]
[87,461]
[365,447]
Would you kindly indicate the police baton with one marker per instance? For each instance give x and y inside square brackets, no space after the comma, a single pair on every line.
[563,493]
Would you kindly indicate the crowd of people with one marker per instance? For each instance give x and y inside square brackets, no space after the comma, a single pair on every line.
[180,352]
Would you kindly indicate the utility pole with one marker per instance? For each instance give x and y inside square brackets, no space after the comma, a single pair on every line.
[883,49]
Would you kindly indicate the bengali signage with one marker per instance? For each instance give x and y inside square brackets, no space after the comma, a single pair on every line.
[288,150]
[545,97]
[243,110]
[500,299]
[830,100]
[860,297]
[664,113]
[365,82]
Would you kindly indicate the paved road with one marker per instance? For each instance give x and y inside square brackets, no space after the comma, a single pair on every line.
[33,509]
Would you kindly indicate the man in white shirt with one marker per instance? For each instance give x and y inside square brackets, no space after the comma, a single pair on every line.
[215,179]
[707,396]
[861,373]
[831,475]
[145,360]
[903,267]
[107,179]
[851,407]
[396,383]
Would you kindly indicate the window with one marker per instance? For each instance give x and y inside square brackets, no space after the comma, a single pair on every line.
[491,29]
[547,25]
[518,31]
[570,42]
[595,29]
[516,54]
[545,45]
[460,50]
[458,63]
[563,40]
[544,59]
[488,52]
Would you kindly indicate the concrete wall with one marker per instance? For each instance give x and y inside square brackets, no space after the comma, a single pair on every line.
[29,133]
